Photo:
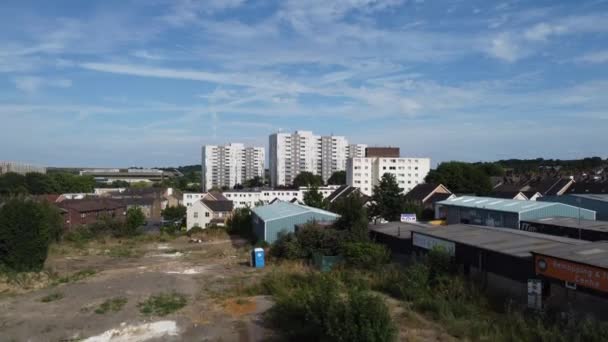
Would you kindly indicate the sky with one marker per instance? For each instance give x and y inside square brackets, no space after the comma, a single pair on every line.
[148,82]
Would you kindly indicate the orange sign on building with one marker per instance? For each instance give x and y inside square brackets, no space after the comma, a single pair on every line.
[582,275]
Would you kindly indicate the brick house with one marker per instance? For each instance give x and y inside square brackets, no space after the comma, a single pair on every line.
[87,211]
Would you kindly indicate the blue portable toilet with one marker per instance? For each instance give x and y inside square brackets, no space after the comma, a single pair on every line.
[257,258]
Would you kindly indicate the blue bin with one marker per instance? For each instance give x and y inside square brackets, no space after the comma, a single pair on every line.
[257,258]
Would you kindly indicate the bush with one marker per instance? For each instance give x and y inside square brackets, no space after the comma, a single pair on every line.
[240,223]
[170,230]
[111,305]
[26,231]
[135,219]
[286,246]
[321,309]
[366,255]
[162,304]
[195,231]
[307,241]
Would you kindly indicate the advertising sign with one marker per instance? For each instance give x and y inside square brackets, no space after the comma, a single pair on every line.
[582,275]
[408,218]
[429,242]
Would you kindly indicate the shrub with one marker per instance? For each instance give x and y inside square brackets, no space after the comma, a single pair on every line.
[314,239]
[367,255]
[240,223]
[52,297]
[286,246]
[195,231]
[113,305]
[26,231]
[162,304]
[170,230]
[321,309]
[135,219]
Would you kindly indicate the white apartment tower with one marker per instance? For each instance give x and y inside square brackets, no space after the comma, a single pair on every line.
[301,151]
[365,173]
[229,165]
[356,150]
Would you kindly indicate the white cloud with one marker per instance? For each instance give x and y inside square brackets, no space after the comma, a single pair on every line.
[504,47]
[542,31]
[31,84]
[185,12]
[596,57]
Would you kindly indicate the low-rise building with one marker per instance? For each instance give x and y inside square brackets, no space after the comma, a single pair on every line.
[20,168]
[208,211]
[107,176]
[595,202]
[271,220]
[77,213]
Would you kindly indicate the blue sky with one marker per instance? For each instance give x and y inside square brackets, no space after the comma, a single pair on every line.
[147,82]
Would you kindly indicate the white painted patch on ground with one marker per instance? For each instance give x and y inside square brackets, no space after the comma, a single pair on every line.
[137,333]
[163,247]
[169,255]
[196,270]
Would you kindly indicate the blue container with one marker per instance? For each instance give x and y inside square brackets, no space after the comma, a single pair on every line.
[257,258]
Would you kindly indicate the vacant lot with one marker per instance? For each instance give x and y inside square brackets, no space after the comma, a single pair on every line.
[151,290]
[136,290]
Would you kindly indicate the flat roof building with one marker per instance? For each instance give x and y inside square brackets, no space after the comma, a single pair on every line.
[589,230]
[500,212]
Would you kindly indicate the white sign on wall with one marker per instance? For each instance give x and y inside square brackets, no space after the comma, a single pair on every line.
[411,218]
[429,242]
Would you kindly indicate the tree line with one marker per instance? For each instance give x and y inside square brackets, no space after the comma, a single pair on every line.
[38,183]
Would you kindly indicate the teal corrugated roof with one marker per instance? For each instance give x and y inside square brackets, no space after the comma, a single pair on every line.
[498,204]
[281,209]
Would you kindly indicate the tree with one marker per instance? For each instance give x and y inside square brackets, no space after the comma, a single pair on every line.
[254,182]
[174,214]
[38,184]
[337,178]
[306,178]
[12,184]
[26,230]
[387,199]
[120,184]
[313,197]
[461,177]
[135,219]
[353,217]
[240,223]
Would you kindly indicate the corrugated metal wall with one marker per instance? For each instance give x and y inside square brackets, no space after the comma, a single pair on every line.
[600,207]
[557,210]
[287,224]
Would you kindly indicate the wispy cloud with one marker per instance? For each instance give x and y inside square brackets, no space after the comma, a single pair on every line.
[595,57]
[31,84]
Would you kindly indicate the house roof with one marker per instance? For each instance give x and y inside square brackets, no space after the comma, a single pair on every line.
[501,240]
[216,195]
[281,209]
[91,204]
[341,192]
[438,197]
[498,204]
[421,191]
[219,206]
[506,194]
[588,188]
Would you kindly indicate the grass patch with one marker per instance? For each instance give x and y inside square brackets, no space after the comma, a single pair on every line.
[74,277]
[122,251]
[162,304]
[111,305]
[52,297]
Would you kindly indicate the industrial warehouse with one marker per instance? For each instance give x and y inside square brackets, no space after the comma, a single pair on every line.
[499,212]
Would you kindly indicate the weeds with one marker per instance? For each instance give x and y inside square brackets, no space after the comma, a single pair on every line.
[52,297]
[162,304]
[111,305]
[121,251]
[74,277]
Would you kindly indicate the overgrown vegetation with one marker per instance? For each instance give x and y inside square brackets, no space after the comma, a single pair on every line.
[320,307]
[27,228]
[75,277]
[240,223]
[465,178]
[307,241]
[313,198]
[111,305]
[38,183]
[162,304]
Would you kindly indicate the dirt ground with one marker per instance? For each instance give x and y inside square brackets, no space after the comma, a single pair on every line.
[58,306]
[203,272]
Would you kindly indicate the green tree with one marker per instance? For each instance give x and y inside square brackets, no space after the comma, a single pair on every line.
[38,184]
[67,182]
[387,199]
[461,177]
[353,217]
[12,184]
[337,178]
[174,213]
[254,182]
[313,197]
[240,223]
[26,230]
[120,184]
[135,219]
[306,178]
